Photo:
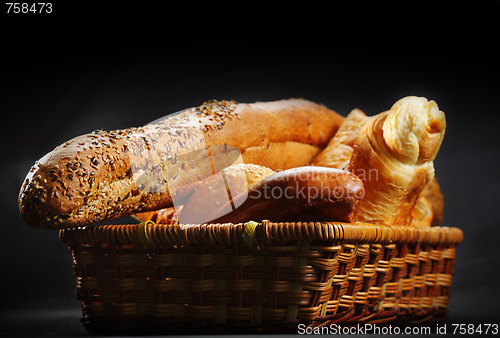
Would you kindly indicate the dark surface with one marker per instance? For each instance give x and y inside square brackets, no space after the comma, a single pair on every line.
[64,77]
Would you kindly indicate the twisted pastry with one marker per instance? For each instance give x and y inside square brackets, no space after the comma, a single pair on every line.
[393,156]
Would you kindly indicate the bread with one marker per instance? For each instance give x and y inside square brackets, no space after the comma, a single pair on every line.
[104,175]
[162,216]
[428,209]
[393,156]
[421,214]
[210,194]
[305,194]
[217,190]
[338,152]
[433,195]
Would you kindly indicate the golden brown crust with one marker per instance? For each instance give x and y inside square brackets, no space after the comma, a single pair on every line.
[281,155]
[393,156]
[421,214]
[209,194]
[162,216]
[104,175]
[428,209]
[338,152]
[307,193]
[432,193]
[279,121]
[212,193]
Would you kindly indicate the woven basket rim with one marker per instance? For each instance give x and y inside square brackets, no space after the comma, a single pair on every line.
[154,235]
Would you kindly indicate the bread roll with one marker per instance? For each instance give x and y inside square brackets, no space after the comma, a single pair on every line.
[393,155]
[300,194]
[218,190]
[210,194]
[104,175]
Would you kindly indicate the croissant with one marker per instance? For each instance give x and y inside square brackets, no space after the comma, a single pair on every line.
[432,193]
[338,152]
[422,213]
[393,155]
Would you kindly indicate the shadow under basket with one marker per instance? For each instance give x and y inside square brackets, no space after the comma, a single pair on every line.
[259,277]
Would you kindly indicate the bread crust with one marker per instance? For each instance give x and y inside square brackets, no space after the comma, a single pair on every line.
[301,194]
[105,175]
[217,190]
[209,194]
[433,194]
[338,152]
[421,214]
[393,155]
[162,216]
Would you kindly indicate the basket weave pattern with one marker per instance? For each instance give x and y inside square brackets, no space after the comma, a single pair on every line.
[273,275]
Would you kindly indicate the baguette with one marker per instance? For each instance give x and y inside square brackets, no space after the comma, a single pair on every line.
[105,175]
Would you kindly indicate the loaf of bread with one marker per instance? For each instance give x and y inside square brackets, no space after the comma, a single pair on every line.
[105,175]
[303,194]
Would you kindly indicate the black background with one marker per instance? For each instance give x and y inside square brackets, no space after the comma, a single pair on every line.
[88,67]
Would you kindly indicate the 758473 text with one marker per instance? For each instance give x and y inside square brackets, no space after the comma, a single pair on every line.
[360,329]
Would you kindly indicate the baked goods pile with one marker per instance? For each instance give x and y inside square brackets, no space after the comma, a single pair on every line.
[287,160]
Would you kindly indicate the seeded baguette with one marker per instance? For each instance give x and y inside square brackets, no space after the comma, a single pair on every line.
[104,175]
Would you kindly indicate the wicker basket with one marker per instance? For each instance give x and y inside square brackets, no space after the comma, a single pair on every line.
[254,277]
